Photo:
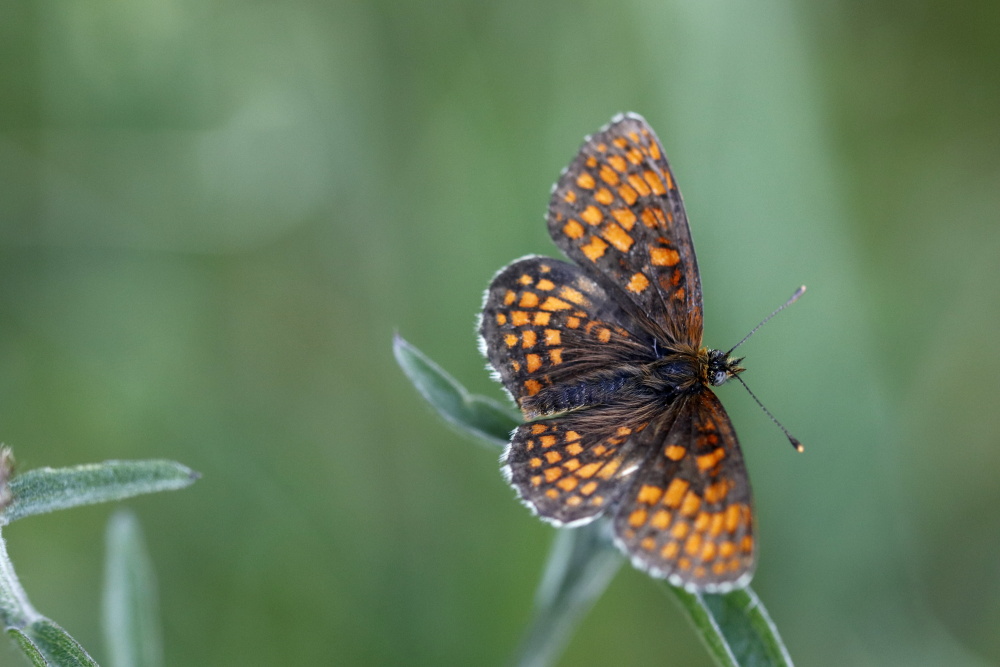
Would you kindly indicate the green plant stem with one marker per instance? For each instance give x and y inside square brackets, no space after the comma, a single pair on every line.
[16,611]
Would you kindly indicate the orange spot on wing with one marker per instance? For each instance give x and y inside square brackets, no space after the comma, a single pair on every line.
[567,483]
[519,318]
[592,215]
[553,337]
[609,176]
[528,300]
[510,339]
[595,249]
[501,319]
[637,283]
[624,216]
[710,460]
[588,470]
[573,295]
[585,181]
[655,184]
[525,279]
[617,236]
[541,319]
[660,520]
[680,530]
[716,493]
[691,504]
[552,303]
[649,494]
[654,150]
[663,257]
[609,469]
[533,362]
[675,492]
[588,488]
[570,196]
[637,518]
[552,474]
[604,196]
[532,387]
[618,162]
[732,518]
[693,545]
[509,297]
[636,181]
[628,194]
[528,338]
[555,355]
[573,229]
[553,456]
[674,452]
[670,550]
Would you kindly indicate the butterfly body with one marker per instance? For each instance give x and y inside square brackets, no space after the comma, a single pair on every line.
[604,357]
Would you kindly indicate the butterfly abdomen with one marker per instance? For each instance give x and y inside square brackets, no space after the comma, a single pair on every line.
[595,389]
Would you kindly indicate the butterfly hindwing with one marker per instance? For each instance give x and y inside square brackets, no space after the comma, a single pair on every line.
[688,515]
[571,468]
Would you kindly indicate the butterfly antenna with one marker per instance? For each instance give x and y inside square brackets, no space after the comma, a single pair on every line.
[792,439]
[795,297]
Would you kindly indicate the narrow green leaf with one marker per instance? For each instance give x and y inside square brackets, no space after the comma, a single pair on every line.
[480,416]
[28,647]
[582,563]
[57,647]
[735,627]
[47,489]
[131,609]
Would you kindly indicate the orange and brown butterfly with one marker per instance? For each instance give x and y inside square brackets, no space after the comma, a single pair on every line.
[604,357]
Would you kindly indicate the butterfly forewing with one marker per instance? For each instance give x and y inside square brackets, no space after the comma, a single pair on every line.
[688,514]
[617,212]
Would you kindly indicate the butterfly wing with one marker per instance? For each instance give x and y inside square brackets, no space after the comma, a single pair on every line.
[571,468]
[688,515]
[545,324]
[617,212]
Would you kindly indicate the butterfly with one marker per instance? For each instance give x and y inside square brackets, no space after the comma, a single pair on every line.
[604,358]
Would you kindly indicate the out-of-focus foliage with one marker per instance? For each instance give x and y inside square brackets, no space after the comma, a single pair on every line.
[214,216]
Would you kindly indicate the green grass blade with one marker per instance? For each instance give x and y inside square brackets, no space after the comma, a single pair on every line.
[735,627]
[131,609]
[582,563]
[47,489]
[479,416]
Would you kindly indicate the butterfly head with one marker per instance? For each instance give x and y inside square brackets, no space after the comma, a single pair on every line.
[721,367]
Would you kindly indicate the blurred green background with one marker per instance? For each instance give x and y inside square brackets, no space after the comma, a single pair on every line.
[214,215]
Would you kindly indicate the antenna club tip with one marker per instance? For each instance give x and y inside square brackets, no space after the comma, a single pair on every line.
[797,445]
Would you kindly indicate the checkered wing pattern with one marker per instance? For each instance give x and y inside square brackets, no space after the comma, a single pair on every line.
[617,212]
[545,326]
[688,513]
[571,468]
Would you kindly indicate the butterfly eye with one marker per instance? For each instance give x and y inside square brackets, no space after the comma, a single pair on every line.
[719,378]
